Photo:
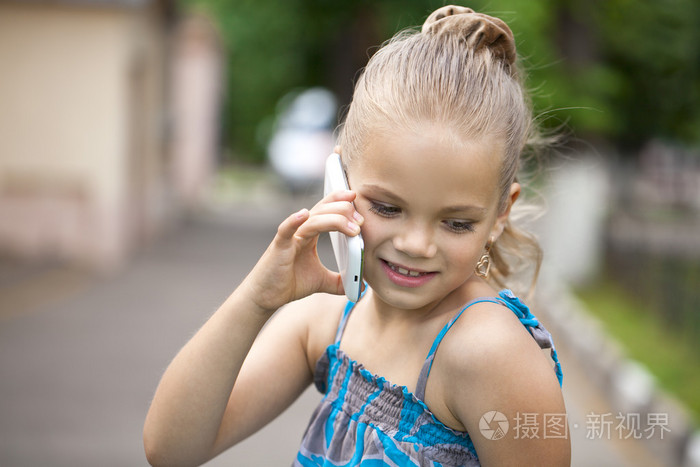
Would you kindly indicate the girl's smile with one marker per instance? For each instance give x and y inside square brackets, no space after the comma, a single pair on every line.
[406,277]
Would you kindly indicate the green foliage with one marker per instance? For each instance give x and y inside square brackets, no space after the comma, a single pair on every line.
[654,47]
[623,70]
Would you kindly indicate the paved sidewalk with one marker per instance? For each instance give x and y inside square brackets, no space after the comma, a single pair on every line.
[81,356]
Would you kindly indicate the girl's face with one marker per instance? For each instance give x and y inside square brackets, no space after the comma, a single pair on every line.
[430,206]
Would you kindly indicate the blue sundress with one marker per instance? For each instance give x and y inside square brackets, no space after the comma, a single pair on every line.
[365,420]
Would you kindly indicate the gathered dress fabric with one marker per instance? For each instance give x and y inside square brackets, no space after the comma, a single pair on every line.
[365,420]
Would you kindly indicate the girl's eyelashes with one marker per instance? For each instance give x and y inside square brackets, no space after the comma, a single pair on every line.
[459,226]
[390,211]
[384,210]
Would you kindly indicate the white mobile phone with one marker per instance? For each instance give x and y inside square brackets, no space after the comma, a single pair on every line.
[349,251]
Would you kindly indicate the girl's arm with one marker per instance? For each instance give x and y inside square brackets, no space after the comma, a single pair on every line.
[200,407]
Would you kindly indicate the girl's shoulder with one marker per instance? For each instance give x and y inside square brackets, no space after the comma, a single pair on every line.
[488,332]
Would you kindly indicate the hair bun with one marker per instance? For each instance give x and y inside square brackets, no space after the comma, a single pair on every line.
[477,29]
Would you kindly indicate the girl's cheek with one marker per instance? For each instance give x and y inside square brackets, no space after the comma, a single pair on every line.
[368,230]
[374,230]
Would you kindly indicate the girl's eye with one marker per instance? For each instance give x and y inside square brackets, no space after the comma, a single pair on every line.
[384,210]
[459,226]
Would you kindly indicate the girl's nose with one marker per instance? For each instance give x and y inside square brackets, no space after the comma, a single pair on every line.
[416,241]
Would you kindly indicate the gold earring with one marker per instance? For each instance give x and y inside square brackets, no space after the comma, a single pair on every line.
[484,265]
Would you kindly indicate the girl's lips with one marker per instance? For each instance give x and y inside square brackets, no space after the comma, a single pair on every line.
[405,277]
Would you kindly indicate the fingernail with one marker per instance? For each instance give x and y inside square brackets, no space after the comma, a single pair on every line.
[354,227]
[358,217]
[302,213]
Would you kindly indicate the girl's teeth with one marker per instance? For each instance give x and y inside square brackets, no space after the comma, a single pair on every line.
[405,272]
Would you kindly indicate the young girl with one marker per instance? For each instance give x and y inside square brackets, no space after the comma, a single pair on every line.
[432,366]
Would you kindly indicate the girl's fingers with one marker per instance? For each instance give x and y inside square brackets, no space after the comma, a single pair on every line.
[342,195]
[290,225]
[334,212]
[318,224]
[339,202]
[345,208]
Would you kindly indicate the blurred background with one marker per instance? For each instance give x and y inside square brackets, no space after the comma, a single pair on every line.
[149,148]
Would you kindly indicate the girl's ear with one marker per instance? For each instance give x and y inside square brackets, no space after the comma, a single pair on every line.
[502,218]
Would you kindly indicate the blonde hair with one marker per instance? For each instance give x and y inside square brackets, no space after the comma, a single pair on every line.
[460,72]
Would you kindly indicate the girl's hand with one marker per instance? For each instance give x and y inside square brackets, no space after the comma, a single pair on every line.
[290,268]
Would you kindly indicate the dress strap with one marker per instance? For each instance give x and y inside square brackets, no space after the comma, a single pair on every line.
[509,300]
[343,322]
[428,364]
[346,314]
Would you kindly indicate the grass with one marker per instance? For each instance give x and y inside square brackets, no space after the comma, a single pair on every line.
[672,359]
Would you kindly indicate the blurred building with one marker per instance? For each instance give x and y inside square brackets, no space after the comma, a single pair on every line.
[88,118]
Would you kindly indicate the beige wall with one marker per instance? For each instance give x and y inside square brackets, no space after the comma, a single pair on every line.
[81,131]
